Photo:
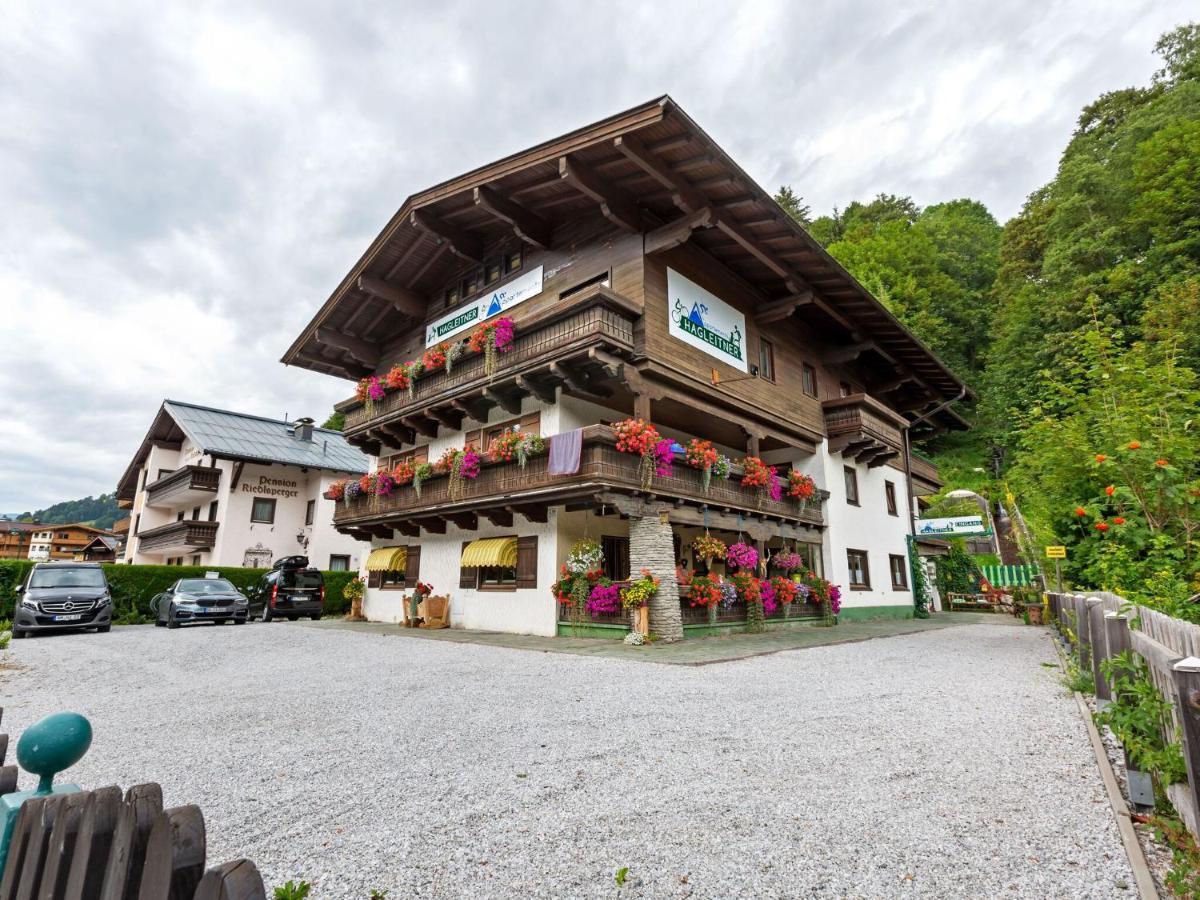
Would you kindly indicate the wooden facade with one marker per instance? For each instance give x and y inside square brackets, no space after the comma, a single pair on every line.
[609,215]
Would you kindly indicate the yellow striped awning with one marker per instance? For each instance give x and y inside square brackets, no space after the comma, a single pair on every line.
[387,559]
[500,552]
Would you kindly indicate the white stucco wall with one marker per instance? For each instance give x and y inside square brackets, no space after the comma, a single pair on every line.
[865,527]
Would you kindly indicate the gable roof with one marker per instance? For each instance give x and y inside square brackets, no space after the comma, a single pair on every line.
[231,435]
[646,167]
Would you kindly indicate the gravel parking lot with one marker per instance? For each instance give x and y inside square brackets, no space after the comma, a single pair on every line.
[943,764]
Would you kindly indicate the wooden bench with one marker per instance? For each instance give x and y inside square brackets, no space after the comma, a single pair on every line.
[103,844]
[970,603]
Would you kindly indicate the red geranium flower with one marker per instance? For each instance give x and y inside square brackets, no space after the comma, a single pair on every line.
[1118,520]
[1110,490]
[1135,445]
[1080,511]
[1160,462]
[1100,457]
[1102,526]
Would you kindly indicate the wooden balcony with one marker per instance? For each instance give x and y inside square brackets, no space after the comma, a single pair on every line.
[926,479]
[577,344]
[184,536]
[862,428]
[606,477]
[186,486]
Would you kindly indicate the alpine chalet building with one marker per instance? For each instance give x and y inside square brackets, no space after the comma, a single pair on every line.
[626,271]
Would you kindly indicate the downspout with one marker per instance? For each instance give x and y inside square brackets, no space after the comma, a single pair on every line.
[912,518]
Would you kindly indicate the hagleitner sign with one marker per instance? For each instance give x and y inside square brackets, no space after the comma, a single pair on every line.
[951,526]
[501,299]
[705,321]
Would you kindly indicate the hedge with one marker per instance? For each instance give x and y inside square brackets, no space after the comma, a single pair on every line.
[133,587]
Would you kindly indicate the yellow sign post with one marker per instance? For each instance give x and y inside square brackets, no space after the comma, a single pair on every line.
[1057,553]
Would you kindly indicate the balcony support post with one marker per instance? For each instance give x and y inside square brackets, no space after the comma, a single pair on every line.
[651,547]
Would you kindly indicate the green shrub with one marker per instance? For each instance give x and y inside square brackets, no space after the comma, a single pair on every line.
[133,587]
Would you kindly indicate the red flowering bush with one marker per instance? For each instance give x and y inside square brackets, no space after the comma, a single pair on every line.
[434,358]
[704,591]
[801,486]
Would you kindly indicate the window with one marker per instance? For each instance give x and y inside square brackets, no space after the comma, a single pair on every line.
[491,272]
[616,557]
[482,438]
[178,518]
[504,578]
[452,296]
[339,563]
[844,389]
[472,283]
[808,380]
[860,572]
[851,485]
[393,580]
[416,455]
[899,567]
[310,511]
[889,492]
[212,511]
[263,510]
[513,261]
[766,360]
[497,578]
[195,513]
[196,559]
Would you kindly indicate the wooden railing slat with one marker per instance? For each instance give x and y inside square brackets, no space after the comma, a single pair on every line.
[93,844]
[61,847]
[19,844]
[174,855]
[237,880]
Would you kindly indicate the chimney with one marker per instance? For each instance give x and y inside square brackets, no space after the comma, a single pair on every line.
[302,429]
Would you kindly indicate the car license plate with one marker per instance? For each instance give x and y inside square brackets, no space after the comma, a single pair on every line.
[301,598]
[73,617]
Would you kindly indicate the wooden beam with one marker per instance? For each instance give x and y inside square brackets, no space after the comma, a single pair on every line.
[421,425]
[408,302]
[883,459]
[501,518]
[847,354]
[542,391]
[398,433]
[433,525]
[764,255]
[451,418]
[462,243]
[507,402]
[778,310]
[409,529]
[353,371]
[366,352]
[612,364]
[473,407]
[678,232]
[529,226]
[467,521]
[683,194]
[893,384]
[538,514]
[615,205]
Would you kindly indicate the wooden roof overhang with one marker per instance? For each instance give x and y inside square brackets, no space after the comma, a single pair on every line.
[164,432]
[650,169]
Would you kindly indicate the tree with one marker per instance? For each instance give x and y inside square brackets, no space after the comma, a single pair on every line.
[793,204]
[336,421]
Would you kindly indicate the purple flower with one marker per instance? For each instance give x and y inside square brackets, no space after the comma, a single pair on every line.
[741,555]
[604,598]
[835,598]
[664,458]
[375,389]
[766,591]
[775,486]
[728,594]
[468,466]
[504,334]
[384,484]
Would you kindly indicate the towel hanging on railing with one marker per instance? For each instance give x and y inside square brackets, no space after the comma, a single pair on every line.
[565,449]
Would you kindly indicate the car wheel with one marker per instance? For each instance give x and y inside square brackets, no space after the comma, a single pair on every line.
[222,621]
[292,618]
[19,633]
[104,629]
[172,622]
[266,614]
[239,621]
[316,617]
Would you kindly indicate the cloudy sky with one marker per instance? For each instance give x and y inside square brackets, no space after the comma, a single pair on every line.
[183,184]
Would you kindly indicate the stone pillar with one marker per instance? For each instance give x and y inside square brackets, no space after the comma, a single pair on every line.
[651,547]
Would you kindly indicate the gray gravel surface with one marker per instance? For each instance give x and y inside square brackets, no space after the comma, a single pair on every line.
[943,764]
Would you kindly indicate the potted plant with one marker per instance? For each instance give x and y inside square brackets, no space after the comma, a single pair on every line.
[354,590]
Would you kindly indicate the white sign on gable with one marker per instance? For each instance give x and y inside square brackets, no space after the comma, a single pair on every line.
[705,321]
[952,525]
[501,299]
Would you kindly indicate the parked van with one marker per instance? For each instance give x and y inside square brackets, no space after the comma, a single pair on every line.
[63,595]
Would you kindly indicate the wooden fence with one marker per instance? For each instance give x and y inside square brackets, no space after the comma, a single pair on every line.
[1101,625]
[102,845]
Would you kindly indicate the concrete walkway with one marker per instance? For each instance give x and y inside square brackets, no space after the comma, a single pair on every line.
[690,652]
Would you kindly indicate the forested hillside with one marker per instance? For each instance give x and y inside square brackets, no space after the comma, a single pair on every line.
[1078,325]
[99,511]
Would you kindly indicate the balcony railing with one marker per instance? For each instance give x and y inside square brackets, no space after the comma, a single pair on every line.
[190,534]
[862,427]
[601,468]
[186,486]
[596,318]
[926,479]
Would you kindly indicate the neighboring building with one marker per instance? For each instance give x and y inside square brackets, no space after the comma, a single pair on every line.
[62,541]
[647,276]
[15,538]
[121,530]
[101,548]
[212,487]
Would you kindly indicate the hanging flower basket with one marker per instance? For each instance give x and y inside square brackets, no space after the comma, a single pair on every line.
[742,556]
[639,438]
[703,455]
[800,486]
[492,339]
[516,445]
[709,548]
[787,561]
[421,473]
[434,358]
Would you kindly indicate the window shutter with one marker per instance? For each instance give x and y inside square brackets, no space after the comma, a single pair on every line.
[531,424]
[374,579]
[527,559]
[412,569]
[467,575]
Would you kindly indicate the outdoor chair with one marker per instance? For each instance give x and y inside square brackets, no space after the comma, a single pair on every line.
[435,612]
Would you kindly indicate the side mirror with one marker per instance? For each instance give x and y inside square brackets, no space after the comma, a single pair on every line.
[20,588]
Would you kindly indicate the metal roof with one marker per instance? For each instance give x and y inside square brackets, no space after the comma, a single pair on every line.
[257,439]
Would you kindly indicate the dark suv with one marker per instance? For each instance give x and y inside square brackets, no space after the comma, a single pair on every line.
[61,595]
[290,590]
